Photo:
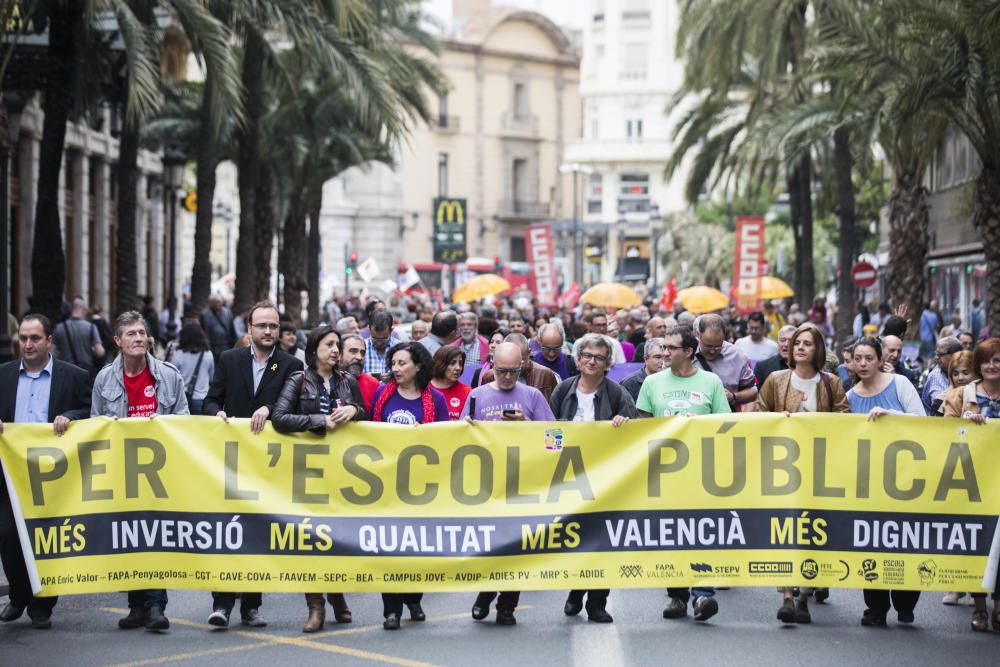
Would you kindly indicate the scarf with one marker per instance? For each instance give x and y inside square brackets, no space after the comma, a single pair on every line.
[559,366]
[426,399]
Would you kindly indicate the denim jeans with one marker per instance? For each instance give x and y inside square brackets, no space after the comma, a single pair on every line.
[683,594]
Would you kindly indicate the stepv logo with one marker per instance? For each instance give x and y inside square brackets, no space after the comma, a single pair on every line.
[701,567]
[630,571]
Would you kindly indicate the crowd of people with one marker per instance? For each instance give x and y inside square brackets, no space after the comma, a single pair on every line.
[409,362]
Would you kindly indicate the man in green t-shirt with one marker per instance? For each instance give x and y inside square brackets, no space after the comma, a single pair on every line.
[683,389]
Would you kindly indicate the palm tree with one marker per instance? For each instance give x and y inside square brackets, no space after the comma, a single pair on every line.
[359,44]
[756,50]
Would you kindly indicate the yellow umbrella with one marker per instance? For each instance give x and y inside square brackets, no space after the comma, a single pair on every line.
[485,284]
[613,295]
[702,299]
[774,288]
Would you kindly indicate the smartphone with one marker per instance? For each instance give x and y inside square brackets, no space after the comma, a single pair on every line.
[509,413]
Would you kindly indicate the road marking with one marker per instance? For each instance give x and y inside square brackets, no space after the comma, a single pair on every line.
[195,654]
[264,641]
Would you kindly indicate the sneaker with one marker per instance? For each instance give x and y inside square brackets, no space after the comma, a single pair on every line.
[219,618]
[252,618]
[705,607]
[505,617]
[786,613]
[481,607]
[873,619]
[156,620]
[951,599]
[136,619]
[391,622]
[416,612]
[677,608]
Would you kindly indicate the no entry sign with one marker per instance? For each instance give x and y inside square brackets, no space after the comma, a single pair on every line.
[864,274]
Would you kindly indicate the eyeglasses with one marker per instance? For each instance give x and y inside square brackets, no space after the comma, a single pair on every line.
[712,348]
[506,371]
[266,327]
[587,356]
[552,348]
[673,348]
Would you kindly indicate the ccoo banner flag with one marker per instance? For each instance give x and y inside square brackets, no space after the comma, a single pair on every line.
[538,243]
[754,499]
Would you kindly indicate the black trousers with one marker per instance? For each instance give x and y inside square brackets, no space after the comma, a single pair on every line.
[228,600]
[13,561]
[596,598]
[878,600]
[392,603]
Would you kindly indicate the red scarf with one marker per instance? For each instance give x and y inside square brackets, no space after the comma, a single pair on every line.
[426,398]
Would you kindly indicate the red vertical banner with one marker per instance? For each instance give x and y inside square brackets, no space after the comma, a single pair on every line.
[749,252]
[538,243]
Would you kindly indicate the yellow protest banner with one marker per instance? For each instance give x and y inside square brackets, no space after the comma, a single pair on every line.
[727,500]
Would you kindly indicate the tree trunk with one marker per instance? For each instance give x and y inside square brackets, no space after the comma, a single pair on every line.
[265,222]
[800,202]
[128,165]
[908,224]
[292,260]
[847,214]
[314,251]
[249,171]
[986,217]
[48,262]
[208,160]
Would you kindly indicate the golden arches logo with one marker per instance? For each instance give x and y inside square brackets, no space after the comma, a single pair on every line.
[450,210]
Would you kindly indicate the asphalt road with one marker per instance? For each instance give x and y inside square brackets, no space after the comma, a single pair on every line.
[745,632]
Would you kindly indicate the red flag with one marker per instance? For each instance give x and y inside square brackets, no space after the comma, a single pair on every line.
[569,298]
[668,294]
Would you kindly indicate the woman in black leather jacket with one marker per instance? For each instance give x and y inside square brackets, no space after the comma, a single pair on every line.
[320,399]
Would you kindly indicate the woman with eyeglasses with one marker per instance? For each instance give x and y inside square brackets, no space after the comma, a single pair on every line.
[978,401]
[449,362]
[803,387]
[320,399]
[587,397]
[878,393]
[408,398]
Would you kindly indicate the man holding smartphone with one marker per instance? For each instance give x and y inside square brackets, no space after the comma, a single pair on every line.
[504,399]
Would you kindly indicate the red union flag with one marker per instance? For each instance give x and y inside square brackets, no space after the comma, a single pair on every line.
[749,250]
[538,242]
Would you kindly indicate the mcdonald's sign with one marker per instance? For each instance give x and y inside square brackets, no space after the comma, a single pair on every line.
[449,216]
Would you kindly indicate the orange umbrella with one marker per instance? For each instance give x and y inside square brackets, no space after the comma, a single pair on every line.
[477,287]
[702,299]
[611,295]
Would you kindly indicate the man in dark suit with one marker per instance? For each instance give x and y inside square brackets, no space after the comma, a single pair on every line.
[778,362]
[36,388]
[247,383]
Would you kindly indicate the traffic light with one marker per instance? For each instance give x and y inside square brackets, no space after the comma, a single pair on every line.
[496,264]
[352,261]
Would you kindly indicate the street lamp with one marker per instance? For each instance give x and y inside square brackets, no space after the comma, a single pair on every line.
[173,175]
[576,168]
[656,223]
[13,105]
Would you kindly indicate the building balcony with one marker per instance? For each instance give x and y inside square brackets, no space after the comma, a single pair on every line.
[520,209]
[611,151]
[447,124]
[523,126]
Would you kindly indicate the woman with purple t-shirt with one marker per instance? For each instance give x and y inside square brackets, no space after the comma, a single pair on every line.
[407,398]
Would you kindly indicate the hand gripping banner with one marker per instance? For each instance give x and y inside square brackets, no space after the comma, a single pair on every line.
[727,500]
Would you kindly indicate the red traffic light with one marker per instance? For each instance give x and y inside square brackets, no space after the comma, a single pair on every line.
[354,256]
